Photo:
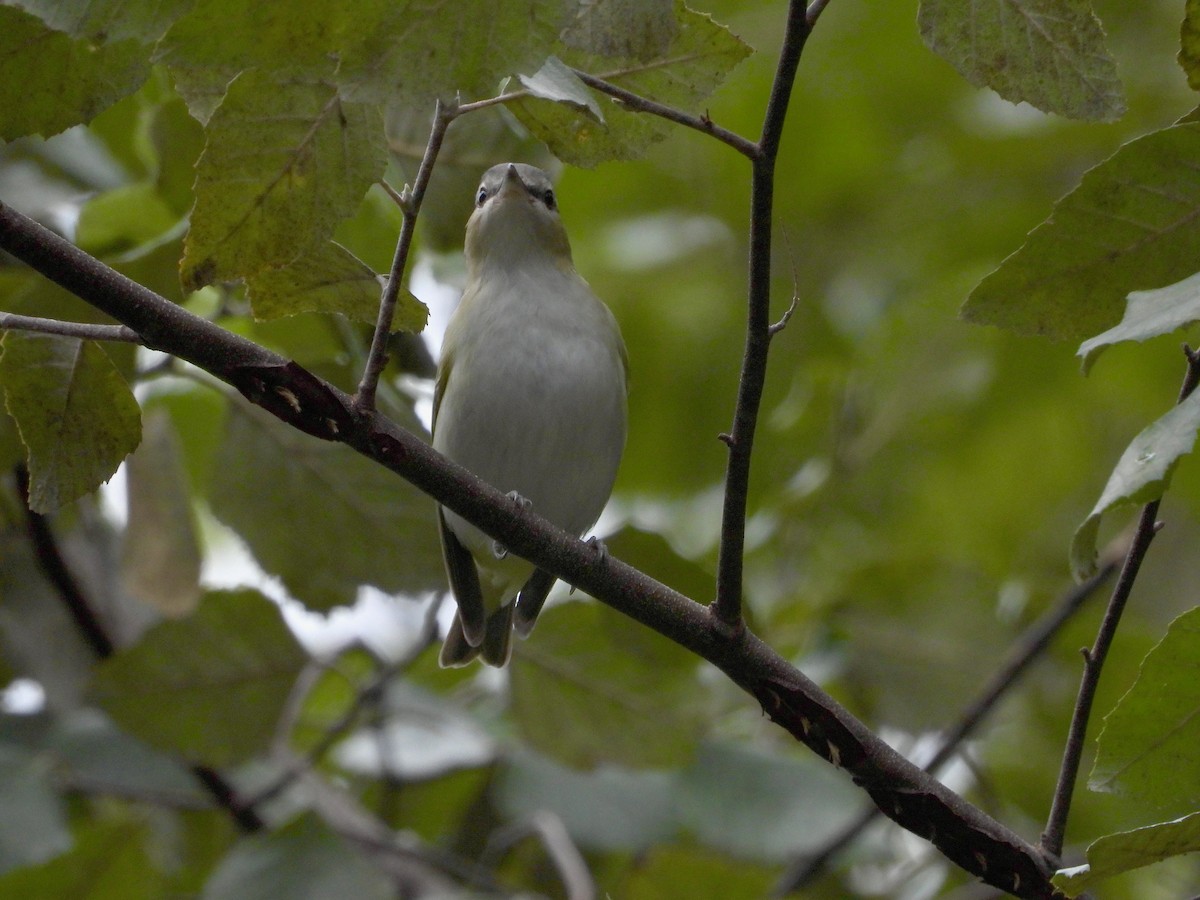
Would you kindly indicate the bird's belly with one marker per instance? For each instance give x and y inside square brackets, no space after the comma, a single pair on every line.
[546,419]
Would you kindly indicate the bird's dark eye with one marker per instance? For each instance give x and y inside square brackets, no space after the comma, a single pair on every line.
[548,198]
[481,196]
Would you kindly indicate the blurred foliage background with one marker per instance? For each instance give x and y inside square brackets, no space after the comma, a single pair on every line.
[915,487]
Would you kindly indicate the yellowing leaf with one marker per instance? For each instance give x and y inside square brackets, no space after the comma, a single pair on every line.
[50,81]
[284,163]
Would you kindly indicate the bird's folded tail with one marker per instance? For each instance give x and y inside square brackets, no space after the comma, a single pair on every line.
[495,649]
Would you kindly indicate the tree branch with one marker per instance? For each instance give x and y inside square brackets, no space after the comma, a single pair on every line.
[1093,660]
[727,607]
[965,834]
[1028,647]
[83,330]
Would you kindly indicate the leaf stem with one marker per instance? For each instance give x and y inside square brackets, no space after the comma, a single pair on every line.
[1054,834]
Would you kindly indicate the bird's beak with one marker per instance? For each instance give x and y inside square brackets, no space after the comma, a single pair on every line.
[513,185]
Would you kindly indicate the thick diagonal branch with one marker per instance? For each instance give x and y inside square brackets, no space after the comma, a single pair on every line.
[902,791]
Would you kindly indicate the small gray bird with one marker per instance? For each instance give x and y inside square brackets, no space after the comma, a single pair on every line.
[530,396]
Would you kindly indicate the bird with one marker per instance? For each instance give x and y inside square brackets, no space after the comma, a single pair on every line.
[530,396]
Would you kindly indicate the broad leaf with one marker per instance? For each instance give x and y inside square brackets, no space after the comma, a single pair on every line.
[107,20]
[1049,53]
[110,861]
[210,687]
[330,279]
[320,516]
[690,871]
[160,556]
[466,48]
[125,217]
[1126,850]
[698,59]
[1189,44]
[1132,224]
[50,81]
[33,827]
[731,790]
[1149,314]
[284,163]
[592,686]
[555,81]
[637,29]
[304,860]
[77,416]
[610,808]
[1150,745]
[1142,474]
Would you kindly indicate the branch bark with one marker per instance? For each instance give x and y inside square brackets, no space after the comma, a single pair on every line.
[727,607]
[918,802]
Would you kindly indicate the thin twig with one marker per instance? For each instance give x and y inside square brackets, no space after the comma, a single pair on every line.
[410,205]
[1093,660]
[1028,648]
[83,330]
[727,607]
[552,834]
[54,567]
[638,103]
[814,11]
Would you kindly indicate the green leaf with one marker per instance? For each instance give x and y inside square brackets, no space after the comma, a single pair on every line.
[1132,224]
[1127,850]
[284,163]
[123,218]
[349,521]
[1150,745]
[667,872]
[330,279]
[1189,44]
[732,789]
[592,686]
[609,808]
[1142,474]
[302,861]
[636,29]
[50,81]
[1049,53]
[33,827]
[160,554]
[466,47]
[555,81]
[107,20]
[77,416]
[108,862]
[698,59]
[210,687]
[217,40]
[1148,314]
